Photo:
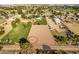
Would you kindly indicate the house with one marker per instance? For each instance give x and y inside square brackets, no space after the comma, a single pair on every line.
[39,19]
[13,17]
[48,14]
[63,17]
[77,13]
[70,15]
[62,25]
[57,21]
[75,18]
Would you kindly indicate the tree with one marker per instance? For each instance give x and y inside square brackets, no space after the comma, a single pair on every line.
[1,47]
[59,13]
[13,12]
[75,39]
[13,23]
[17,20]
[61,38]
[22,41]
[1,30]
[24,16]
[19,11]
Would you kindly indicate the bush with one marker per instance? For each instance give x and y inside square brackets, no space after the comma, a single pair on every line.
[17,20]
[61,38]
[13,23]
[23,40]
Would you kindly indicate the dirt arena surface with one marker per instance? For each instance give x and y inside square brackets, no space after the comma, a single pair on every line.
[40,36]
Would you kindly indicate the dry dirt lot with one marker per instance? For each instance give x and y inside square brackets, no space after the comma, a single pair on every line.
[40,36]
[74,27]
[7,28]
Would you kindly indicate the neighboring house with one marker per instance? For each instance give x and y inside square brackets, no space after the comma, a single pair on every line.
[12,18]
[62,25]
[70,15]
[2,17]
[37,19]
[77,13]
[63,17]
[75,18]
[48,14]
[57,21]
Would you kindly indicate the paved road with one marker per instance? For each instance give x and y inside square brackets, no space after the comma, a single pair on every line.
[10,49]
[62,48]
[66,48]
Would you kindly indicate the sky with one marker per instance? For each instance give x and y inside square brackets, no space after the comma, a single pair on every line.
[39,2]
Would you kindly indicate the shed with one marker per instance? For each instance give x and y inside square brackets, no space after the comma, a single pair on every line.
[57,20]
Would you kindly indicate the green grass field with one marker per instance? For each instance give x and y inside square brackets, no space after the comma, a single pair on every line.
[41,22]
[20,31]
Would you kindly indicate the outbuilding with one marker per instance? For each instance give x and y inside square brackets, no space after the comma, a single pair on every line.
[57,20]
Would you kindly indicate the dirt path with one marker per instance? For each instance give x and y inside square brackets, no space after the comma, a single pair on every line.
[7,28]
[10,49]
[64,48]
